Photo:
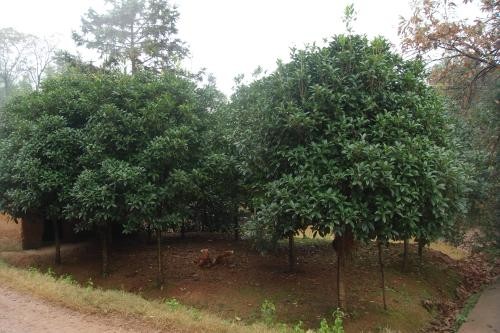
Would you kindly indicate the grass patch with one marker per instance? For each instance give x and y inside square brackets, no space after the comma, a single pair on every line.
[451,251]
[164,315]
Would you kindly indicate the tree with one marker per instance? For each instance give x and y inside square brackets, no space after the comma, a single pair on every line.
[355,143]
[477,126]
[172,126]
[140,145]
[13,51]
[40,55]
[135,33]
[99,196]
[465,71]
[221,181]
[468,44]
[40,147]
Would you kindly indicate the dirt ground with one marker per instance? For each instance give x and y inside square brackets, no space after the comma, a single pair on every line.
[23,314]
[236,289]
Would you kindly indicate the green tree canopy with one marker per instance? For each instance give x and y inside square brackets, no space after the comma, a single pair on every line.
[350,138]
[141,143]
[40,140]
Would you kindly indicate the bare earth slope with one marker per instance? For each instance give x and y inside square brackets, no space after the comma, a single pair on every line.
[21,313]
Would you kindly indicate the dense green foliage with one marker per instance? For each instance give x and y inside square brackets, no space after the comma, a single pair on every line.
[347,139]
[40,141]
[104,149]
[350,140]
[349,136]
[476,129]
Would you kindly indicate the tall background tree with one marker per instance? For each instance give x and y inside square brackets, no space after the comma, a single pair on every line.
[25,60]
[463,61]
[41,56]
[13,51]
[135,34]
[438,30]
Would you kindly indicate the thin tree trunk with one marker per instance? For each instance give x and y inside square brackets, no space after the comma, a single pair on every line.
[341,259]
[205,218]
[109,235]
[420,251]
[159,279]
[291,252]
[133,57]
[104,251]
[57,241]
[405,254]
[381,263]
[236,228]
[183,230]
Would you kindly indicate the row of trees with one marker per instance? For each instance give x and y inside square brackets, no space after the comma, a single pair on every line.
[347,138]
[107,149]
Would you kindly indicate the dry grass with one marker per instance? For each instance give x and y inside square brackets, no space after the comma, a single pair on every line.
[451,251]
[308,233]
[171,317]
[441,246]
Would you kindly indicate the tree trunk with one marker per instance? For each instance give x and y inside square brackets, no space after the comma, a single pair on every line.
[104,250]
[183,230]
[405,254]
[291,252]
[236,228]
[381,263]
[132,52]
[205,218]
[6,86]
[109,235]
[159,279]
[57,242]
[341,259]
[420,251]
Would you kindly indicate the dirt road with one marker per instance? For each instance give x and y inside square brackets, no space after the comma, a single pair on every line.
[21,313]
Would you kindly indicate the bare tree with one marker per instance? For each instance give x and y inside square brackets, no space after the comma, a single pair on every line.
[41,52]
[435,29]
[13,51]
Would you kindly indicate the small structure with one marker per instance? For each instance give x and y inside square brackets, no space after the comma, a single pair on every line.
[29,233]
[10,234]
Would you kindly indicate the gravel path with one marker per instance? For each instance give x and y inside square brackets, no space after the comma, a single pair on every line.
[485,317]
[20,313]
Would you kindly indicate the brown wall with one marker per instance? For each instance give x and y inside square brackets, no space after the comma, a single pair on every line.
[28,233]
[10,234]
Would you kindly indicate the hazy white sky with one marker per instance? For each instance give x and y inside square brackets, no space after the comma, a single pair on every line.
[228,37]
